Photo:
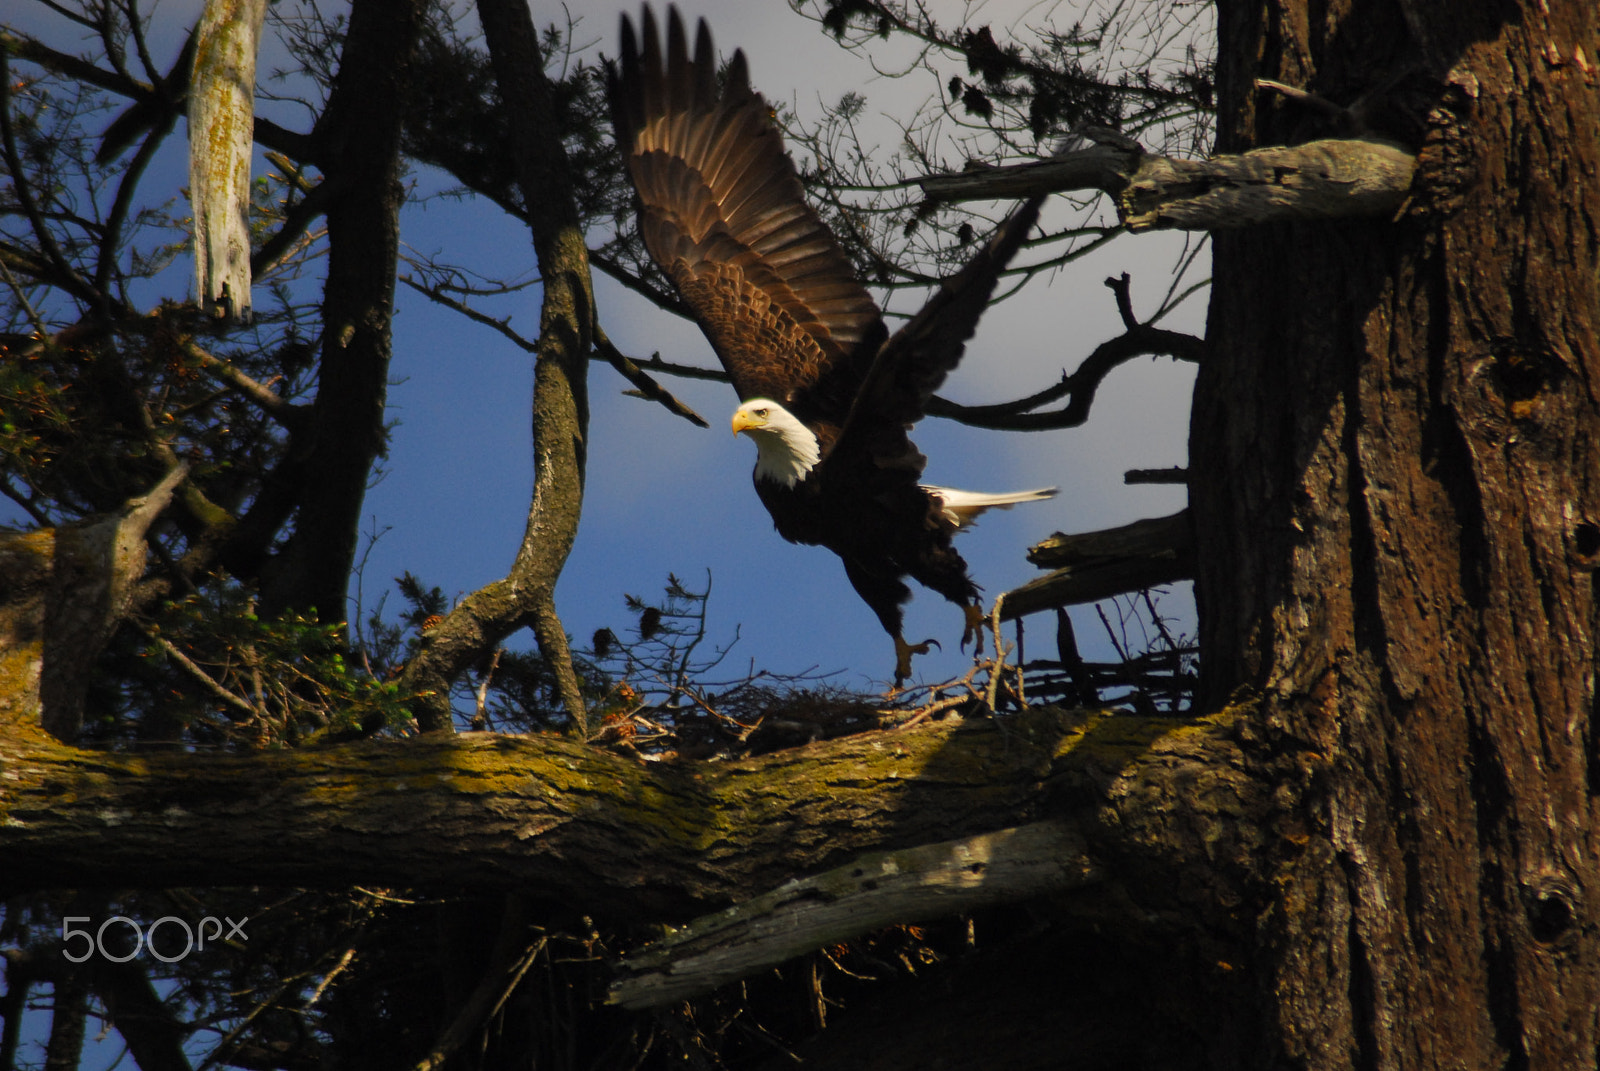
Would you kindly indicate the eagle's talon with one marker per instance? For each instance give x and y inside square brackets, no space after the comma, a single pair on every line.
[974,629]
[902,657]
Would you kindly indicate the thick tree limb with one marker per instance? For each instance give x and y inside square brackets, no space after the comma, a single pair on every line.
[872,892]
[526,596]
[1099,167]
[62,592]
[1328,179]
[565,821]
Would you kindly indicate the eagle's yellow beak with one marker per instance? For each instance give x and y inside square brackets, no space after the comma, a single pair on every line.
[742,419]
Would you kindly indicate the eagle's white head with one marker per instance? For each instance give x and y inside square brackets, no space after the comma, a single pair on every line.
[786,450]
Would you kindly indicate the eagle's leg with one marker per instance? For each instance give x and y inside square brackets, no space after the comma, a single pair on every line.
[882,590]
[974,627]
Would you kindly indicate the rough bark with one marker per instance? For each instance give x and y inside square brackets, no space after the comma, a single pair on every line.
[536,813]
[62,592]
[871,893]
[1400,427]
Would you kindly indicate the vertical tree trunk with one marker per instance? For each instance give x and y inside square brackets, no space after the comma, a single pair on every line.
[1399,534]
[358,146]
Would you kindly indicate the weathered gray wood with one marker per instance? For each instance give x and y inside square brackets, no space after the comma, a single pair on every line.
[876,890]
[1329,179]
[1090,566]
[1326,179]
[221,141]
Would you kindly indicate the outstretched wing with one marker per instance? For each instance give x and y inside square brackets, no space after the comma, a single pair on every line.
[915,361]
[722,212]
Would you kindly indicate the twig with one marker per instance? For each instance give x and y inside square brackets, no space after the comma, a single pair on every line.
[204,679]
[264,396]
[483,1005]
[997,665]
[685,371]
[69,277]
[646,386]
[22,298]
[1305,97]
[1121,287]
[502,326]
[327,979]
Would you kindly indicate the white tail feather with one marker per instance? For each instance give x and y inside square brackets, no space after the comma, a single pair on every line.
[961,508]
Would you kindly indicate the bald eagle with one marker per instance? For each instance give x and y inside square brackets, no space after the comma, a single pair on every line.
[828,394]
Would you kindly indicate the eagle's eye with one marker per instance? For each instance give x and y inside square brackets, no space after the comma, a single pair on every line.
[761,412]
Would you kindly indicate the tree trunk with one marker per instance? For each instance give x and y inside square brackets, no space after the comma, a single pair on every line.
[1400,427]
[358,147]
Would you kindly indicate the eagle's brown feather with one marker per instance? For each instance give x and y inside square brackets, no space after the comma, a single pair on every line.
[722,211]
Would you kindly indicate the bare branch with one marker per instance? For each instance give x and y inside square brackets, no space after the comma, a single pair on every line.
[646,387]
[201,677]
[264,396]
[1092,566]
[1175,474]
[503,325]
[1328,179]
[1101,167]
[1081,386]
[62,269]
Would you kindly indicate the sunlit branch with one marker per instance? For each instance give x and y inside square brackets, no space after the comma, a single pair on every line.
[297,219]
[273,403]
[243,707]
